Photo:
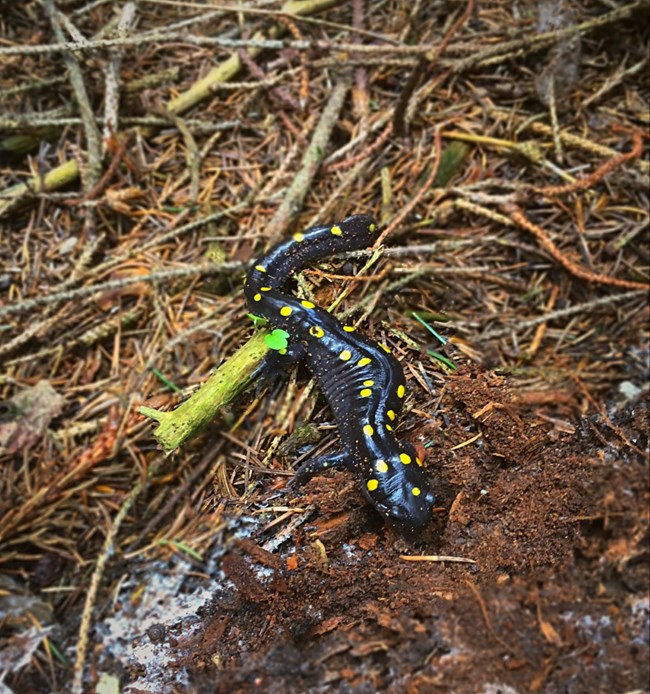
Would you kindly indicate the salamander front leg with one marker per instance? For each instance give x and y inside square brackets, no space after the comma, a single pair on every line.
[275,367]
[313,466]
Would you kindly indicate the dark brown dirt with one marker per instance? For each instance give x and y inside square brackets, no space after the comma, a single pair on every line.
[557,599]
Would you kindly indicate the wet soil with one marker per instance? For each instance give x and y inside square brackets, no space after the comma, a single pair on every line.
[554,515]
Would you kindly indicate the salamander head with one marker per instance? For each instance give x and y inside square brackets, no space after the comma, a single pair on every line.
[403,494]
[409,518]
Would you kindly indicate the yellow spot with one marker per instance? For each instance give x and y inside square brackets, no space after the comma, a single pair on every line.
[391,415]
[345,355]
[315,331]
[405,458]
[298,237]
[384,348]
[381,466]
[418,461]
[368,430]
[337,231]
[372,227]
[416,491]
[283,350]
[400,391]
[389,427]
[307,304]
[265,289]
[260,268]
[368,383]
[257,297]
[365,393]
[348,328]
[286,311]
[372,485]
[364,362]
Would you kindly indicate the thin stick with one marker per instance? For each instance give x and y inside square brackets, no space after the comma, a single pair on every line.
[584,309]
[232,65]
[57,298]
[93,137]
[408,208]
[519,218]
[437,558]
[311,161]
[539,40]
[423,67]
[112,96]
[600,173]
[108,549]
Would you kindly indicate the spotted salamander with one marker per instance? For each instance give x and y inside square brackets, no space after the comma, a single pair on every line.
[362,381]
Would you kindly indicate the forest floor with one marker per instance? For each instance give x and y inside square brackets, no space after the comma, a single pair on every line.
[503,149]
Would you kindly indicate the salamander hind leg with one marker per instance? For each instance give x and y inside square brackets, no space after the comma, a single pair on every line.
[313,466]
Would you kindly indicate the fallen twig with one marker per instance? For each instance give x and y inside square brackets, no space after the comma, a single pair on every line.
[311,161]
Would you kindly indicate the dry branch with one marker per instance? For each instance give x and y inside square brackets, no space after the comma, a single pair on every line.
[311,161]
[230,67]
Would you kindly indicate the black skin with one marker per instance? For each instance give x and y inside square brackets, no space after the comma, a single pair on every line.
[362,382]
